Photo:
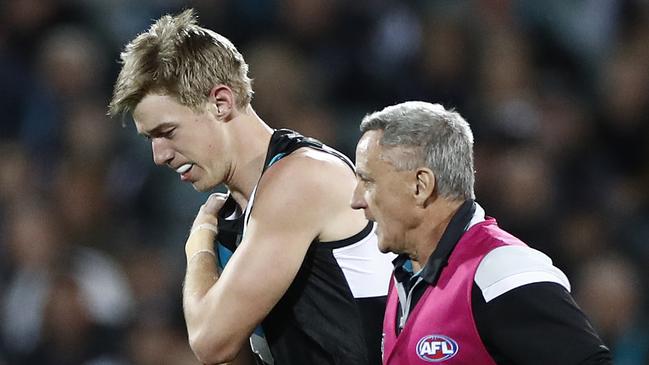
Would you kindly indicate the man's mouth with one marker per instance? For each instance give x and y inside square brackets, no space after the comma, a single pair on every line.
[184,171]
[184,168]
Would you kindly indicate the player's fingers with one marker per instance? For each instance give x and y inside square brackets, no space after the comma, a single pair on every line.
[208,211]
[214,203]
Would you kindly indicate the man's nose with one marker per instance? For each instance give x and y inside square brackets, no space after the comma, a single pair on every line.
[162,154]
[358,200]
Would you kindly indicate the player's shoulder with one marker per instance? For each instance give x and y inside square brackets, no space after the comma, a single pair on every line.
[330,159]
[508,267]
[306,178]
[309,166]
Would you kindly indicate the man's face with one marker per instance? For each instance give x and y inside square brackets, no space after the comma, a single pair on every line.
[383,193]
[189,142]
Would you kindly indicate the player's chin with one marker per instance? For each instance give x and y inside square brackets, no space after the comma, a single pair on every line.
[202,186]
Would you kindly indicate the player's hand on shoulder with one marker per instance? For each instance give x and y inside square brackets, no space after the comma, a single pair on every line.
[207,214]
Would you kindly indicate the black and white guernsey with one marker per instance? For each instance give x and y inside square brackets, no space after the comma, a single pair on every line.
[333,311]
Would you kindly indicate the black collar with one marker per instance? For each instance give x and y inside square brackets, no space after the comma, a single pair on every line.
[439,258]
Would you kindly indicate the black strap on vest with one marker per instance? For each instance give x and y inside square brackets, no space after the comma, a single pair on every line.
[285,141]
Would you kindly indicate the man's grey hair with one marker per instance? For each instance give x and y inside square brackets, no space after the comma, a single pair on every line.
[419,134]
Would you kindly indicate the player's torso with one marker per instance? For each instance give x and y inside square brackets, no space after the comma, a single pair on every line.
[332,312]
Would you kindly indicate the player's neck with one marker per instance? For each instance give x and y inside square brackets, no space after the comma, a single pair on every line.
[251,138]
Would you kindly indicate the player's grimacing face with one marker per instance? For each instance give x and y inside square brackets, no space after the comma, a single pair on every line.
[182,139]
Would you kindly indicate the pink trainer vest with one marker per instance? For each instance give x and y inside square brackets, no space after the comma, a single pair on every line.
[440,328]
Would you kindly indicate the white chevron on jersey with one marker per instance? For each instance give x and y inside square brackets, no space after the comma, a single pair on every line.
[509,267]
[366,269]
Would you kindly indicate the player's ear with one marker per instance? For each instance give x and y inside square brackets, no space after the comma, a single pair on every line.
[221,100]
[424,185]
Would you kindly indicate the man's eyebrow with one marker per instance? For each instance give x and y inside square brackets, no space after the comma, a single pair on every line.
[157,130]
[361,174]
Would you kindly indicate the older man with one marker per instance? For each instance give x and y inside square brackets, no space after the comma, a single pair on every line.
[464,290]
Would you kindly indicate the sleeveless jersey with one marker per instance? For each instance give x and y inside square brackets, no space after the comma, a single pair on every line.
[333,310]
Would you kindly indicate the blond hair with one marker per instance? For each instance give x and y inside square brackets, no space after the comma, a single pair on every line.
[177,57]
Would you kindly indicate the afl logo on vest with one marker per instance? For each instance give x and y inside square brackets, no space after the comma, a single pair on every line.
[436,348]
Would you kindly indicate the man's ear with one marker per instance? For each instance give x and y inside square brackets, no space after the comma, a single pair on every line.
[221,100]
[424,186]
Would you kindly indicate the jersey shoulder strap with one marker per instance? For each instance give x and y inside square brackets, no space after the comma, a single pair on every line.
[231,220]
[285,141]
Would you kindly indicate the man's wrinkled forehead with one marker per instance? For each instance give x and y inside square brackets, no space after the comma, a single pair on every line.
[368,143]
[369,153]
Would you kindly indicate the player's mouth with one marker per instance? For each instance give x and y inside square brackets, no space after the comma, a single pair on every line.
[184,171]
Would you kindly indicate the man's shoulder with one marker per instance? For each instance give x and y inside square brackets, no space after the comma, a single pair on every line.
[511,266]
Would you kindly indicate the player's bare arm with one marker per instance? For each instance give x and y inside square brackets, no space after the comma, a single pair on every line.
[266,262]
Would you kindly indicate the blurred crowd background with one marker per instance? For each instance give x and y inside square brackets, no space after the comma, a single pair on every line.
[92,233]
